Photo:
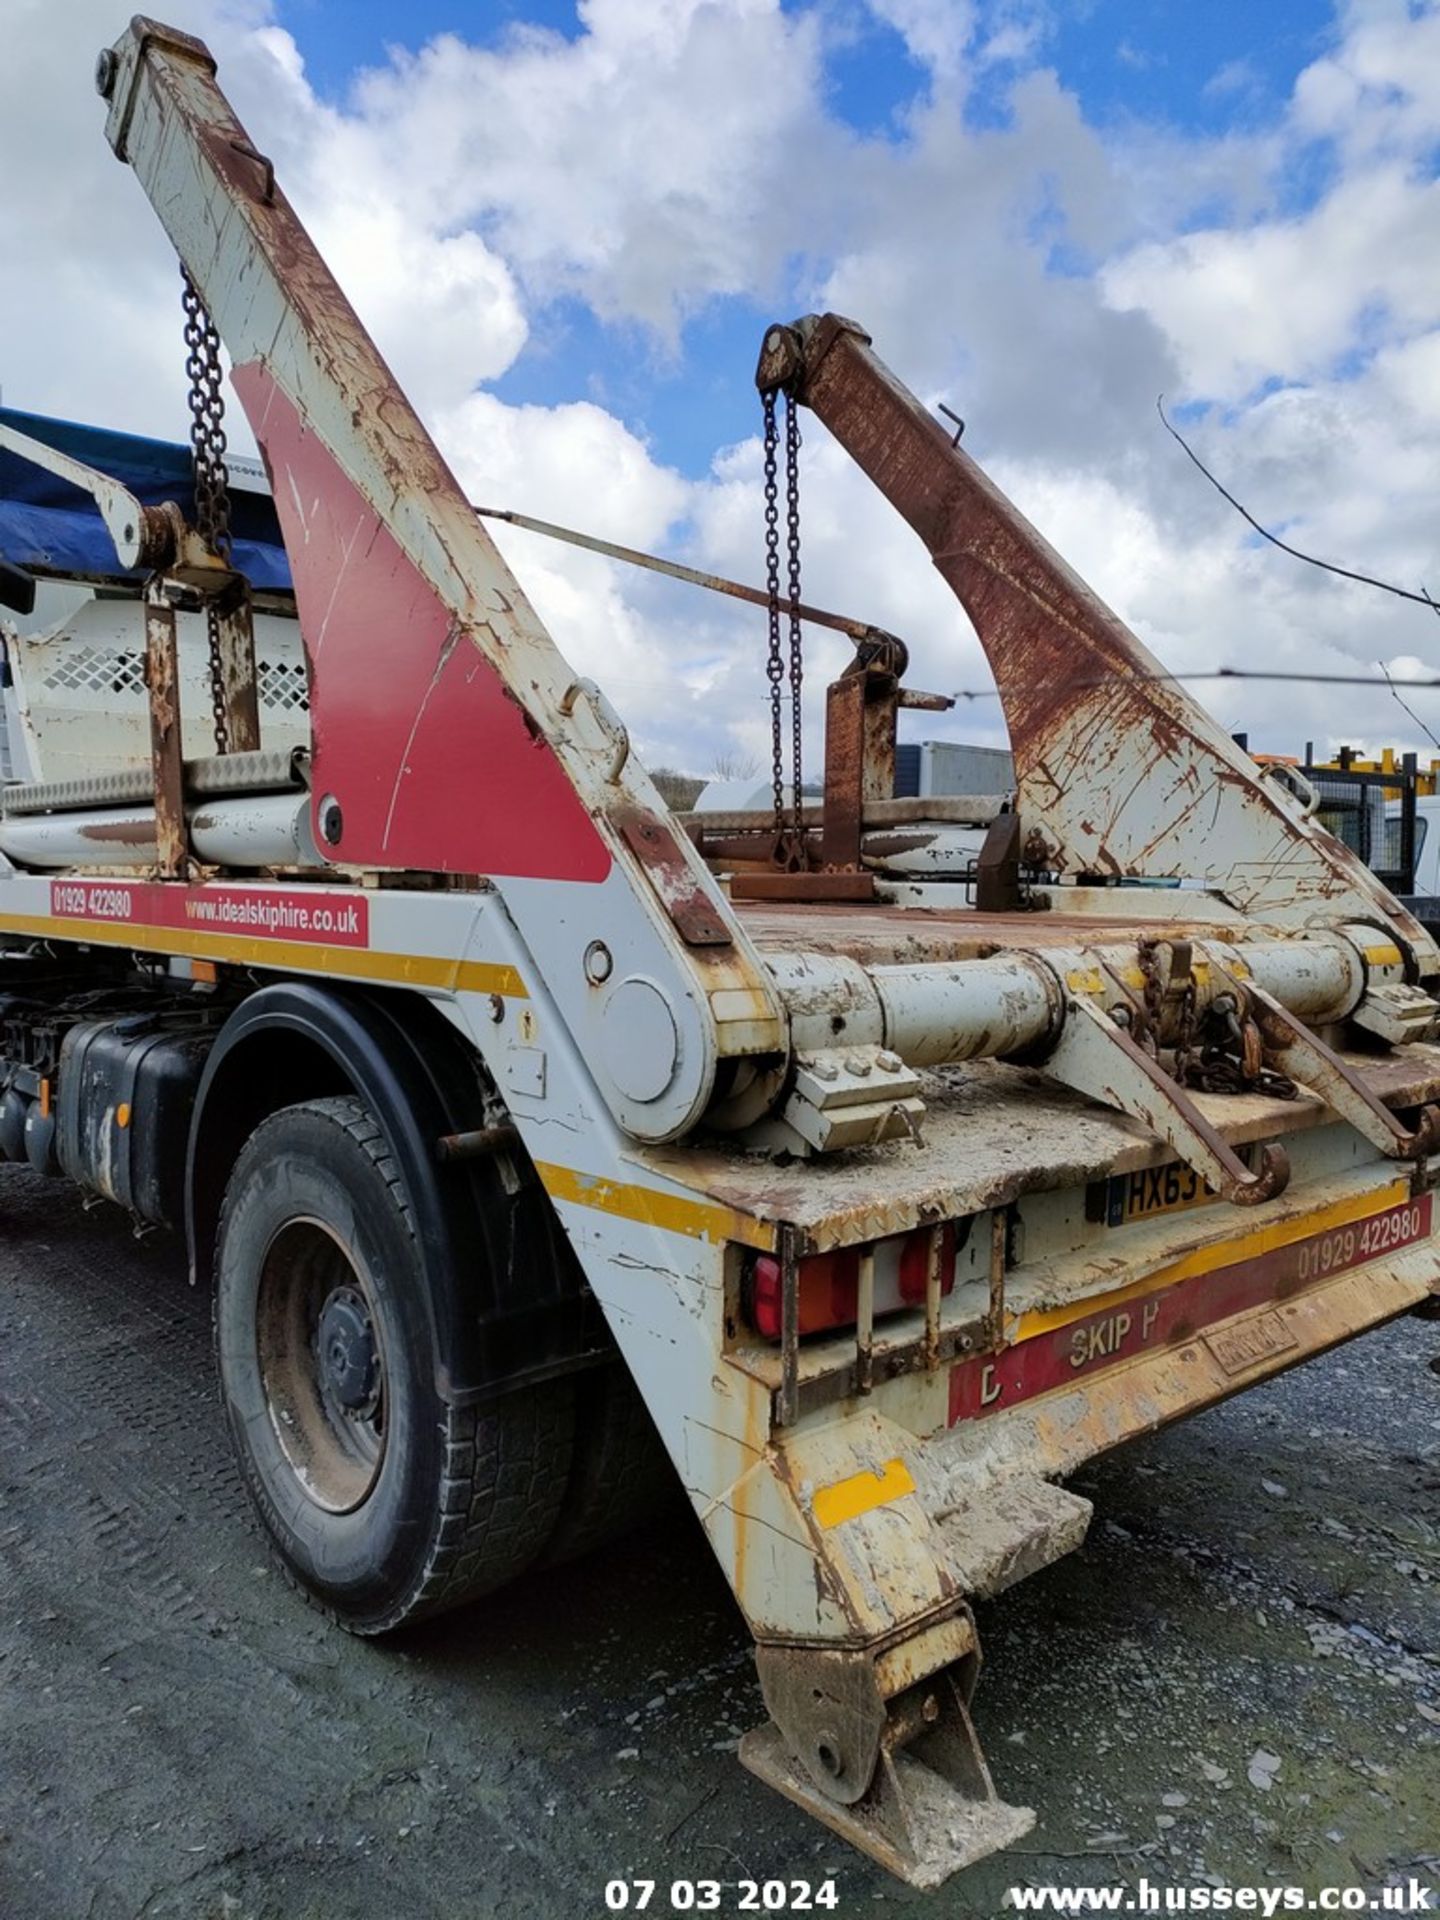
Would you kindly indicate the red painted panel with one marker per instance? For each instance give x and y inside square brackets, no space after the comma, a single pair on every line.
[1173,1315]
[434,765]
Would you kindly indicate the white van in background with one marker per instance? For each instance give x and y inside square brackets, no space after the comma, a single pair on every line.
[1427,841]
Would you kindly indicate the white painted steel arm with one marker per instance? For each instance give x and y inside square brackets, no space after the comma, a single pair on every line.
[131,525]
[448,733]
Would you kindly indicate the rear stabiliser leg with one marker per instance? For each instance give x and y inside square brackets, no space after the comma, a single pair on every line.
[890,1763]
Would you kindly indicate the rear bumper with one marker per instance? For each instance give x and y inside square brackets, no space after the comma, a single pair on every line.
[971,1473]
[869,1519]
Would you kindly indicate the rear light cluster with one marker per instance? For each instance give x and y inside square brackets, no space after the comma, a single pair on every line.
[829,1290]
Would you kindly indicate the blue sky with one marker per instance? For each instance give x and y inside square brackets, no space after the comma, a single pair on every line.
[1124,57]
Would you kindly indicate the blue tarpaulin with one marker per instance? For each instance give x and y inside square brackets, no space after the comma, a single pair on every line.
[49,525]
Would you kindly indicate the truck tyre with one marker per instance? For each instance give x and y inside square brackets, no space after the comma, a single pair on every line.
[622,1475]
[385,1504]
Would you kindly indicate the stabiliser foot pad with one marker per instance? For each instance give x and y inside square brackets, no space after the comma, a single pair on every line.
[911,1820]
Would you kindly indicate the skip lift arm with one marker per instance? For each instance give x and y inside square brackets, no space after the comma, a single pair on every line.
[626,1005]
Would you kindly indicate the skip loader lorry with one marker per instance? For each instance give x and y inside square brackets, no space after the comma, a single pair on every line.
[886,1158]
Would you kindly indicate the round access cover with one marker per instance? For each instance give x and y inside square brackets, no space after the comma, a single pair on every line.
[639,1043]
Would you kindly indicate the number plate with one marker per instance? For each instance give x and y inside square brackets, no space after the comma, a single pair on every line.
[1152,1190]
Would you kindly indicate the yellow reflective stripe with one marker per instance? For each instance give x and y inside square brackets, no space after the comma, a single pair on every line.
[1225,1253]
[672,1213]
[861,1493]
[307,956]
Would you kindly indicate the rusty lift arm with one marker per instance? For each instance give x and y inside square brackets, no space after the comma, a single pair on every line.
[1120,773]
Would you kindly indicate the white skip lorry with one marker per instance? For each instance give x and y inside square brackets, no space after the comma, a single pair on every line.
[865,1164]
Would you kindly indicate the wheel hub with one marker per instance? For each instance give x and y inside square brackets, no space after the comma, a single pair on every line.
[349,1360]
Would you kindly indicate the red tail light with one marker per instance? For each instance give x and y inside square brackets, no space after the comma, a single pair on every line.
[829,1287]
[829,1283]
[915,1263]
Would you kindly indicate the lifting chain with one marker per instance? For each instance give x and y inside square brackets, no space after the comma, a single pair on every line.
[212,490]
[1153,1018]
[790,839]
[1185,1031]
[1232,1064]
[792,542]
[1236,1064]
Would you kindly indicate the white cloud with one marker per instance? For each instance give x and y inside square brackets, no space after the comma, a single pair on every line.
[1292,297]
[1378,90]
[667,155]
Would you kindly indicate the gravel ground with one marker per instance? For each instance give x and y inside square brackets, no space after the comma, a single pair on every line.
[1238,1677]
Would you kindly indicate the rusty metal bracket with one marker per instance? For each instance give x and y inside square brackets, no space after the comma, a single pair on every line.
[1098,1058]
[238,691]
[934,1280]
[1296,1051]
[653,842]
[865,1322]
[845,742]
[266,165]
[997,871]
[781,365]
[999,1261]
[162,681]
[788,1405]
[820,886]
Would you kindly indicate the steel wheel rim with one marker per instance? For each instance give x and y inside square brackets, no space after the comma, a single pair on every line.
[322,1364]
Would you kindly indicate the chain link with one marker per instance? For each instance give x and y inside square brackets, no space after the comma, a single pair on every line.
[774,664]
[792,542]
[1236,1063]
[1227,1057]
[1185,1031]
[212,489]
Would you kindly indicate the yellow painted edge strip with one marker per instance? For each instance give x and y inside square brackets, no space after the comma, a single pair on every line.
[306,956]
[1085,980]
[861,1493]
[1224,1253]
[672,1213]
[699,1219]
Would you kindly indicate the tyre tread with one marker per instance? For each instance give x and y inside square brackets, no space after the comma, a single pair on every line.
[506,1466]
